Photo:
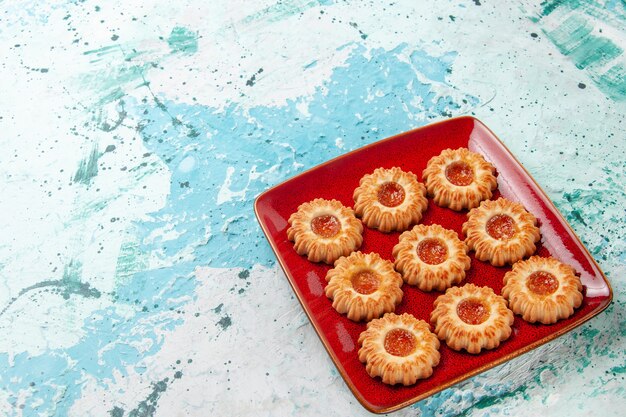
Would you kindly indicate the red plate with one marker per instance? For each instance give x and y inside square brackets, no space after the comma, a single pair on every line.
[411,151]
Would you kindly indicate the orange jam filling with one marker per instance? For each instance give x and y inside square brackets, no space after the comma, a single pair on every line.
[460,173]
[391,194]
[400,342]
[501,227]
[472,311]
[365,282]
[325,226]
[542,283]
[432,251]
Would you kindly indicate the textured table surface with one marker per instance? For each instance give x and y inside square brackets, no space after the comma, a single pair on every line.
[134,278]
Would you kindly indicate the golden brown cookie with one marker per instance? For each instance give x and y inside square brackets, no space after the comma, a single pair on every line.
[501,232]
[542,290]
[471,318]
[459,178]
[390,199]
[363,286]
[431,257]
[324,230]
[399,348]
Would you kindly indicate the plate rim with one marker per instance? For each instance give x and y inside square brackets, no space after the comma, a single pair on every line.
[480,369]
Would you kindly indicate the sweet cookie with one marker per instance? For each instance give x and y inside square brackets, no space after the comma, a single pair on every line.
[399,348]
[363,286]
[459,178]
[471,318]
[390,199]
[431,257]
[324,230]
[501,232]
[542,290]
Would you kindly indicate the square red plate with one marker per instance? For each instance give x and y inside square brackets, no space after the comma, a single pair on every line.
[411,151]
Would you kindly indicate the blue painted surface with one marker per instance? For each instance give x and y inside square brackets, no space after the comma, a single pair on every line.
[258,141]
[275,144]
[136,280]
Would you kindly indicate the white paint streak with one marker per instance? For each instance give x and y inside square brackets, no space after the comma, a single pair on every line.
[225,194]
